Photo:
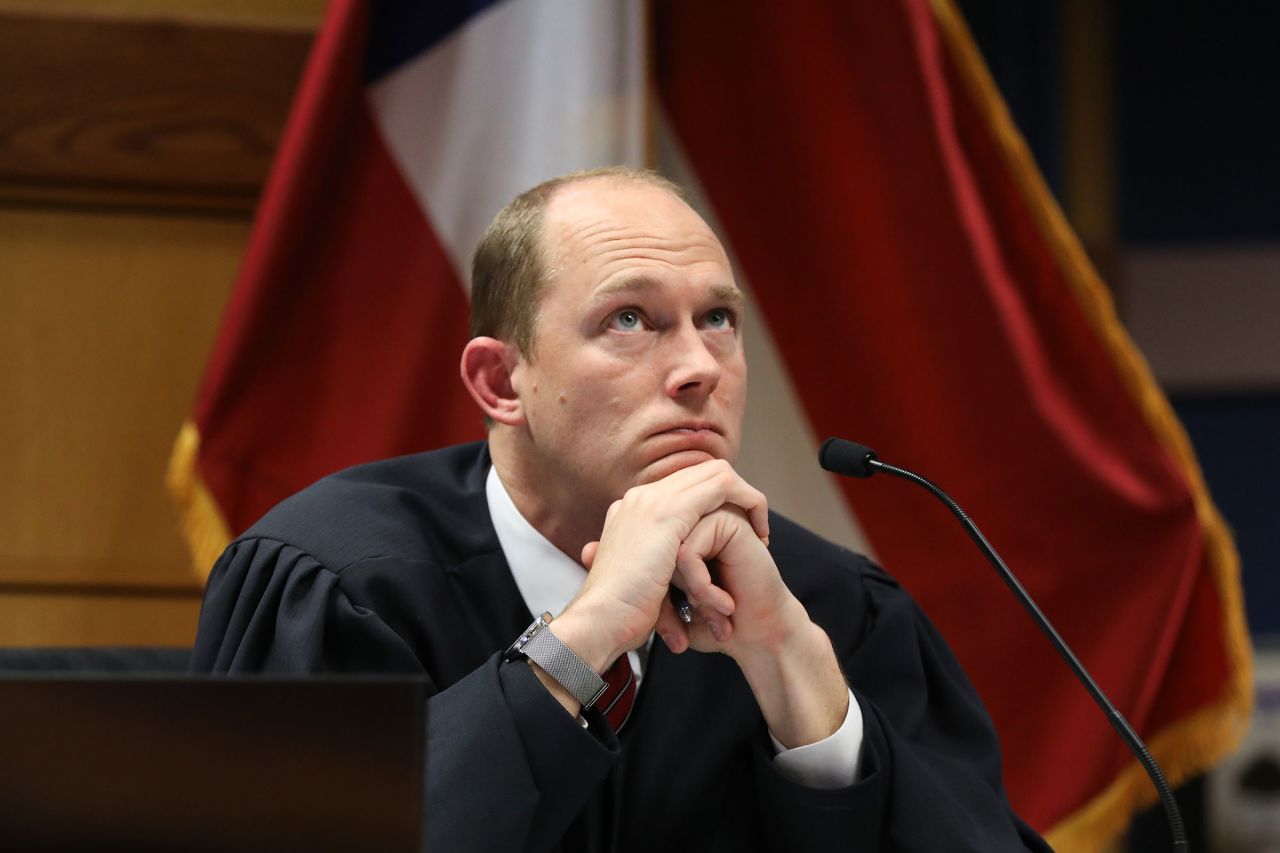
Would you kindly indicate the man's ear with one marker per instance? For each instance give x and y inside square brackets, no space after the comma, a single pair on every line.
[487,364]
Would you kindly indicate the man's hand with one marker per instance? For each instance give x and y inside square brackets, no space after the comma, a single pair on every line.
[788,660]
[633,563]
[743,610]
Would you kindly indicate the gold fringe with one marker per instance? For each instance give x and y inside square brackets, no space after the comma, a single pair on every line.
[1196,742]
[203,526]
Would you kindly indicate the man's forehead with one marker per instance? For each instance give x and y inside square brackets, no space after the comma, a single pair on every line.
[608,227]
[610,217]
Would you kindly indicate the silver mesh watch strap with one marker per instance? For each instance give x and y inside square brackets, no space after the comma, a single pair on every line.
[558,661]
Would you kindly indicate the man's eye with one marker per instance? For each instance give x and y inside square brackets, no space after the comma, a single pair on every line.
[628,320]
[720,318]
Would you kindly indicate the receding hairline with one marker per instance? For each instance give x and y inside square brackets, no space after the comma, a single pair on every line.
[509,271]
[549,243]
[622,174]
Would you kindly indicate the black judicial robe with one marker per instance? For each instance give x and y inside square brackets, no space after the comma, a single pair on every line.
[394,567]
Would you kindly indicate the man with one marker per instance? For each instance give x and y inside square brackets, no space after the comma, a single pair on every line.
[804,705]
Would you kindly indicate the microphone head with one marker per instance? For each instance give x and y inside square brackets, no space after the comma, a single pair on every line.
[846,457]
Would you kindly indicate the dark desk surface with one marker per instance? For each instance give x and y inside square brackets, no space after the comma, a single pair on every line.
[90,762]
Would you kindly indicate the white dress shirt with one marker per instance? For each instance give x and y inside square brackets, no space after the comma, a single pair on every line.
[548,580]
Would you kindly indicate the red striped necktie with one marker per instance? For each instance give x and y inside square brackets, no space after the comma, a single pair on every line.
[619,694]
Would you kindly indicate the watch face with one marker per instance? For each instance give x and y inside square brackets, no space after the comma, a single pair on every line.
[516,650]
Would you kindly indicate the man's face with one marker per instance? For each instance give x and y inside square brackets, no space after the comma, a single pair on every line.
[637,367]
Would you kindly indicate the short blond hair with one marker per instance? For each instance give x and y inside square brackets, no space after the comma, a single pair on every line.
[509,268]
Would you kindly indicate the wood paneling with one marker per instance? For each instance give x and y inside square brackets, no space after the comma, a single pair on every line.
[295,14]
[97,618]
[123,125]
[150,113]
[107,322]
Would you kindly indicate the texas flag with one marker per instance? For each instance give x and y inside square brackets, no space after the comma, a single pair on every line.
[913,286]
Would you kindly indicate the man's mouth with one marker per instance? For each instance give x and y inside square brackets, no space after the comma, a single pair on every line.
[686,444]
[702,438]
[690,429]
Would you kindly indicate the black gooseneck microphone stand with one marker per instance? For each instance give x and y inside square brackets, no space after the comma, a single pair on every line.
[856,460]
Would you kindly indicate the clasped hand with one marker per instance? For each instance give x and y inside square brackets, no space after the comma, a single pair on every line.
[666,534]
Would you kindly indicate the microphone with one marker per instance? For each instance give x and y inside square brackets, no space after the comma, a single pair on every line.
[857,460]
[846,457]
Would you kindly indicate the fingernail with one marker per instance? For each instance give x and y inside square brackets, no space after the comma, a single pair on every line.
[716,630]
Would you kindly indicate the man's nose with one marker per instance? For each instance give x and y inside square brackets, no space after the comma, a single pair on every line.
[694,367]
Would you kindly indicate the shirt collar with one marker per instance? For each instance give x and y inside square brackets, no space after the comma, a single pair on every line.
[547,578]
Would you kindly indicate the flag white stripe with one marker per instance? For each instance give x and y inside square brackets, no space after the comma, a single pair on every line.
[525,91]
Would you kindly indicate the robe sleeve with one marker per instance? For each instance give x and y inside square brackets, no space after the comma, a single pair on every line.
[930,776]
[505,767]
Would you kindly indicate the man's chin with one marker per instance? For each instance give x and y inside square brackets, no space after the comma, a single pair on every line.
[673,462]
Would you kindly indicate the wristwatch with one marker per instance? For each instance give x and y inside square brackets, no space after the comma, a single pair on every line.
[543,647]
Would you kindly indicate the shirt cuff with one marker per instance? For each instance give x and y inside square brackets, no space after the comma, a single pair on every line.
[833,762]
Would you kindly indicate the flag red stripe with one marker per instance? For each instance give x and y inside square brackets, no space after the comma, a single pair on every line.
[918,309]
[314,143]
[342,340]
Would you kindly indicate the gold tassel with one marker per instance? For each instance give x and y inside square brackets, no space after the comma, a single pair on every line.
[203,526]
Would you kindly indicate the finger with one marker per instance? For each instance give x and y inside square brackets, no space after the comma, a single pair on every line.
[589,552]
[714,471]
[701,489]
[718,484]
[693,576]
[720,627]
[669,627]
[710,630]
